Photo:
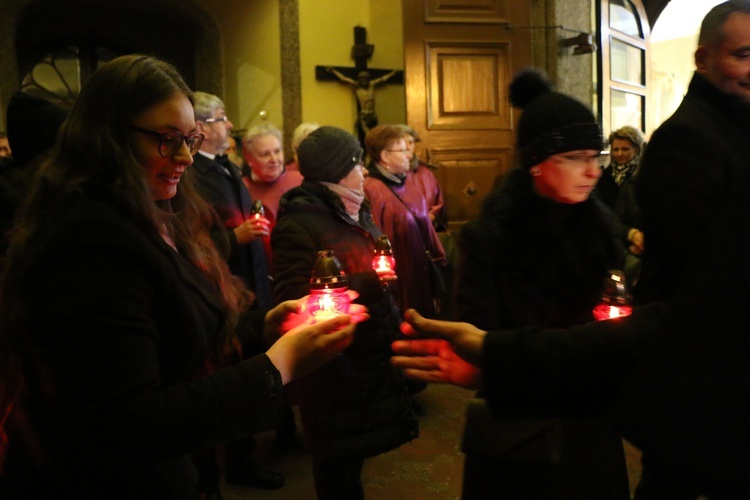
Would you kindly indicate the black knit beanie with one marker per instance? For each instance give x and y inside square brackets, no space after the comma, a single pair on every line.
[328,154]
[551,122]
[32,125]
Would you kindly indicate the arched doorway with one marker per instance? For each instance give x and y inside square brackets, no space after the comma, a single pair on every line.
[77,36]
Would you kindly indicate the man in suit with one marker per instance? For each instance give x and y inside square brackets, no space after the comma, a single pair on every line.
[239,235]
[220,183]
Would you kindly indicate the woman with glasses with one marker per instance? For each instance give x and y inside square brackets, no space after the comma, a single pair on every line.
[401,210]
[119,315]
[538,256]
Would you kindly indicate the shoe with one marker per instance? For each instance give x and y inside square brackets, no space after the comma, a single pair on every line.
[256,477]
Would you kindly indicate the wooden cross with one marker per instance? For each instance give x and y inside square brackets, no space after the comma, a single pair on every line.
[361,53]
[364,93]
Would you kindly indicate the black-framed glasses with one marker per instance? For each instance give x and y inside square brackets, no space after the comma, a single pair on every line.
[169,142]
[215,120]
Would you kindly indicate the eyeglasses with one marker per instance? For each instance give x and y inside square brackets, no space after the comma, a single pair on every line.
[397,150]
[169,142]
[578,158]
[215,120]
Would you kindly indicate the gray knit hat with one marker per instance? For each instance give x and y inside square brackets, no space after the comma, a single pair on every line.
[328,154]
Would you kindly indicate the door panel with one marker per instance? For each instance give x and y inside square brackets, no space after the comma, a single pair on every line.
[460,56]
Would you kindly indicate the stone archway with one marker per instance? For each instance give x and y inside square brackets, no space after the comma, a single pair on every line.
[181,32]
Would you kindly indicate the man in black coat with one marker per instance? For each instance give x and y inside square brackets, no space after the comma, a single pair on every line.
[220,182]
[699,155]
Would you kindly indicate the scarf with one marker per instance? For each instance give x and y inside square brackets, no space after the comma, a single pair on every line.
[620,172]
[351,198]
[391,177]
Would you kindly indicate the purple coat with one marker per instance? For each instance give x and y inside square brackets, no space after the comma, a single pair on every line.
[403,213]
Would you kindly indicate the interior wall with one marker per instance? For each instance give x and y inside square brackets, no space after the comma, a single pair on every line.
[672,67]
[252,61]
[326,38]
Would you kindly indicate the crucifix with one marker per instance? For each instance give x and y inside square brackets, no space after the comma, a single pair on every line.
[362,80]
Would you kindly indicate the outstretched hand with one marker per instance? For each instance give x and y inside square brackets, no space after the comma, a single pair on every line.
[307,347]
[292,313]
[439,351]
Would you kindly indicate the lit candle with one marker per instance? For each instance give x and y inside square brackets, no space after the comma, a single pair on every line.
[383,260]
[328,286]
[257,211]
[615,299]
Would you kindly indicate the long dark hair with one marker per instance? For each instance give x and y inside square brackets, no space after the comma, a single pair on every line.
[93,159]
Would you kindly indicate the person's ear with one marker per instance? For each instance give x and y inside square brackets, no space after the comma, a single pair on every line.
[382,156]
[200,127]
[701,56]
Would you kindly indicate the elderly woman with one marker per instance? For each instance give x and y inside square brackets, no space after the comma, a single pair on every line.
[357,406]
[401,209]
[120,316]
[537,256]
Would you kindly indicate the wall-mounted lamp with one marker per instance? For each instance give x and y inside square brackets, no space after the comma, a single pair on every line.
[583,43]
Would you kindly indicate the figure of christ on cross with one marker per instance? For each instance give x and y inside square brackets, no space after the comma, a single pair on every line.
[365,82]
[364,90]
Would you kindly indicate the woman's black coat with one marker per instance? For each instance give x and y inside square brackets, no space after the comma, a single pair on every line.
[356,406]
[114,328]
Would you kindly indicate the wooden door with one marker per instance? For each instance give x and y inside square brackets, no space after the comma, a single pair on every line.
[460,56]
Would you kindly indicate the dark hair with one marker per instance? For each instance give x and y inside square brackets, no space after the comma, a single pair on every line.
[93,159]
[712,27]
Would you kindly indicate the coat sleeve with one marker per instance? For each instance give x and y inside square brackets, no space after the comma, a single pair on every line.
[294,254]
[578,372]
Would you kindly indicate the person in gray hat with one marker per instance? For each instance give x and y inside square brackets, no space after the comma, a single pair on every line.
[356,406]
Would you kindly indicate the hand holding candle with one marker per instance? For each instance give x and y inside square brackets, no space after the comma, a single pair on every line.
[615,299]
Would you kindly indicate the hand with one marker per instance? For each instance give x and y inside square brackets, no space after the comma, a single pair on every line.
[386,275]
[252,229]
[440,351]
[292,313]
[636,238]
[304,349]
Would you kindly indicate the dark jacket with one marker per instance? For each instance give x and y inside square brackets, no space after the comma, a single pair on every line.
[356,406]
[529,260]
[114,328]
[228,195]
[693,161]
[607,189]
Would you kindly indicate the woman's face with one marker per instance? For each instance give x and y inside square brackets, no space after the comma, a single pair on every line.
[568,177]
[622,151]
[164,172]
[396,157]
[355,179]
[265,157]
